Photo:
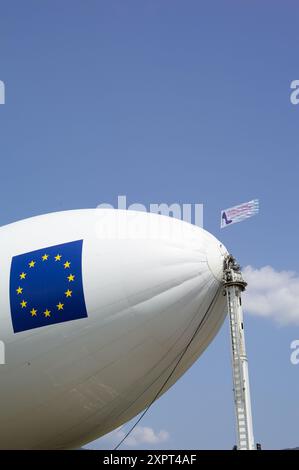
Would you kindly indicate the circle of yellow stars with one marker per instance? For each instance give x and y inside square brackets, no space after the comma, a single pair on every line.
[68,293]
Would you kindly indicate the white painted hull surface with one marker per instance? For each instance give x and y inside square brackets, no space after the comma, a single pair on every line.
[148,282]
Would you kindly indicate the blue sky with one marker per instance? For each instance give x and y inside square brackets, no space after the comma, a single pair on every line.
[173,101]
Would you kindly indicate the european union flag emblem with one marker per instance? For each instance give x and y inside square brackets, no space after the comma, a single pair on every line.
[46,286]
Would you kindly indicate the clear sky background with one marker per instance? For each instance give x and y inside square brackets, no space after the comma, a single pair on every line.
[167,101]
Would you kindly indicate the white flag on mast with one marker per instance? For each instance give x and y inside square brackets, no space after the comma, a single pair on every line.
[238,213]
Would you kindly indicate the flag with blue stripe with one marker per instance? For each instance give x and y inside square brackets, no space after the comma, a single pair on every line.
[46,286]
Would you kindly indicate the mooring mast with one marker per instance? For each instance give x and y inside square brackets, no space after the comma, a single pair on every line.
[234,285]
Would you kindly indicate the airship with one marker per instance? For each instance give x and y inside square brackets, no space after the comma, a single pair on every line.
[102,311]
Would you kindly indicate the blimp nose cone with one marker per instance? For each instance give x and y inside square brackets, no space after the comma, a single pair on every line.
[216,253]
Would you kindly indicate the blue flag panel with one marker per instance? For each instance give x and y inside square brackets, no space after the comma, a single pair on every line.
[46,286]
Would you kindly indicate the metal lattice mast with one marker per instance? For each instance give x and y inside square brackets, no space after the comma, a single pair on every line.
[234,285]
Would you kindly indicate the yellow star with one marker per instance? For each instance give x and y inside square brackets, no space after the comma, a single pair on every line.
[60,306]
[45,257]
[47,313]
[67,264]
[23,304]
[71,277]
[19,290]
[68,293]
[57,257]
[31,264]
[33,312]
[23,275]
